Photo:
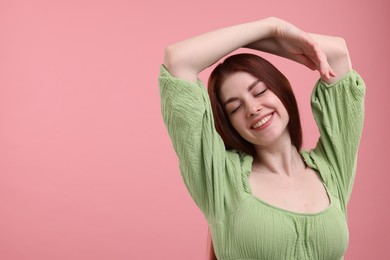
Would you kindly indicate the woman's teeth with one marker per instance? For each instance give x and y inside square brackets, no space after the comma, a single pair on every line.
[262,122]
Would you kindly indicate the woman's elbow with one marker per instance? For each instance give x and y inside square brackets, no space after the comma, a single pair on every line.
[177,62]
[174,60]
[169,57]
[342,47]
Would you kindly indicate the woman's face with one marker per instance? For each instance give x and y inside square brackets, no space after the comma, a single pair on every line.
[255,111]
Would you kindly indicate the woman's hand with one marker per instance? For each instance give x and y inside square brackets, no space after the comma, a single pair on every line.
[290,42]
[299,46]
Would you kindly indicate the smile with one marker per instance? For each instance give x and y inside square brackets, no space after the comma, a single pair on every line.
[262,121]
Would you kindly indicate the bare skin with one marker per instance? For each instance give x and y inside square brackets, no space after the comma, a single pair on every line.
[302,192]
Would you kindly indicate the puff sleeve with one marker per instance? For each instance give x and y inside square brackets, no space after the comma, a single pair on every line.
[206,167]
[338,110]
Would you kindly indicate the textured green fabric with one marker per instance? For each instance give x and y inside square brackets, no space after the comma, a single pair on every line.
[243,226]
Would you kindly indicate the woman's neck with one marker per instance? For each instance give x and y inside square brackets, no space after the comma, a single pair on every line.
[281,158]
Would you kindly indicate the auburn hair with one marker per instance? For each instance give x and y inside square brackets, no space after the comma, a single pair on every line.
[275,81]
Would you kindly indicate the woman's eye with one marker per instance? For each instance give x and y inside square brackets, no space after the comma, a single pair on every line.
[235,109]
[258,94]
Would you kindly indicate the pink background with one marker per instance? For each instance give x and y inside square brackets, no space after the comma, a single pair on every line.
[87,170]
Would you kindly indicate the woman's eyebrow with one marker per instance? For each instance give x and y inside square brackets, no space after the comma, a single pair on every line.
[232,99]
[251,86]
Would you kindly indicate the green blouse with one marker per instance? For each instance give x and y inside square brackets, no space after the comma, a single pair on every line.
[243,226]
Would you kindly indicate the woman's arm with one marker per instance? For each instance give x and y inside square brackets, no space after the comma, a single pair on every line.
[187,58]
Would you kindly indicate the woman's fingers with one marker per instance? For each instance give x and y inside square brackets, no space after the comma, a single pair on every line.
[332,72]
[301,58]
[328,71]
[319,58]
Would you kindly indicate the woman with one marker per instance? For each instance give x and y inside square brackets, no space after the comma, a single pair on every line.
[264,197]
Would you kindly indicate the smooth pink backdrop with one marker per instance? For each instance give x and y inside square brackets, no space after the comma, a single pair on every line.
[87,170]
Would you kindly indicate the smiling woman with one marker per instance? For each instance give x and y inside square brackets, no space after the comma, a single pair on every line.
[239,146]
[261,75]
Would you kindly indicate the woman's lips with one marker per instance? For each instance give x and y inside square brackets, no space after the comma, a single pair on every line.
[262,122]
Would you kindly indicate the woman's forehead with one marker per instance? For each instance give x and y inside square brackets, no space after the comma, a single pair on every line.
[237,83]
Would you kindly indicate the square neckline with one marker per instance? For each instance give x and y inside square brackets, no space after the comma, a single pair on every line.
[249,162]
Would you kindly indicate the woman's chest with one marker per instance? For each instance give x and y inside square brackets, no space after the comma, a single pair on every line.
[260,231]
[305,193]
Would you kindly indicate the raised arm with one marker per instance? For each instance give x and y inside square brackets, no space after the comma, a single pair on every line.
[187,58]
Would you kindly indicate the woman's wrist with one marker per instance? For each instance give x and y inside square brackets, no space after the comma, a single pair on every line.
[270,25]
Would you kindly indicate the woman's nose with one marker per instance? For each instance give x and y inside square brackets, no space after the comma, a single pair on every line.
[253,109]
